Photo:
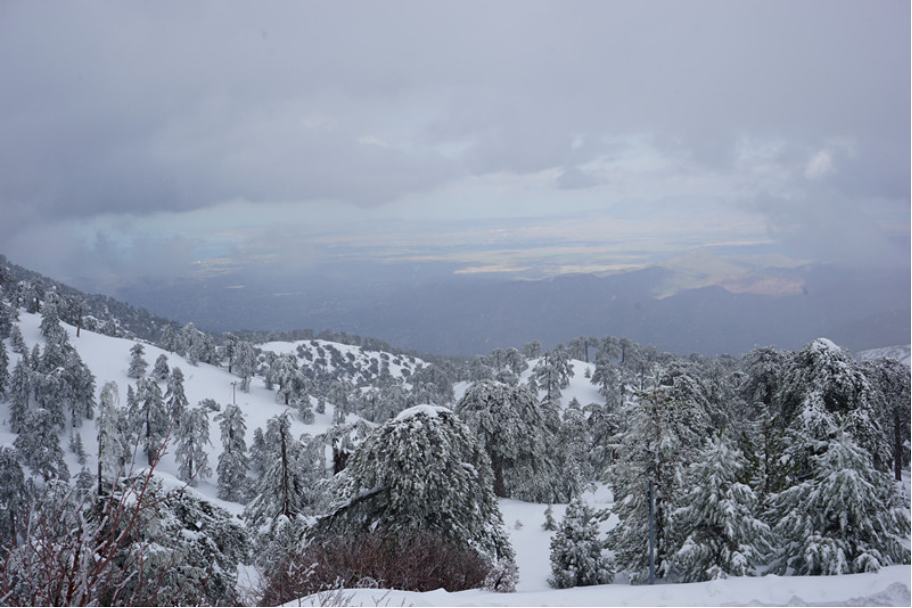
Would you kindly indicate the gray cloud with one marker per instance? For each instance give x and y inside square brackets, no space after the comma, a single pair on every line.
[138,108]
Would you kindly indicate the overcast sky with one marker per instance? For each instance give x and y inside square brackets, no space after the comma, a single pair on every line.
[173,138]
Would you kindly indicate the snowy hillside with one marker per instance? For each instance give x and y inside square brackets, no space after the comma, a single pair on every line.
[109,360]
[903,354]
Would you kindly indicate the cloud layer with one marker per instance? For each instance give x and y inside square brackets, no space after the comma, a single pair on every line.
[784,111]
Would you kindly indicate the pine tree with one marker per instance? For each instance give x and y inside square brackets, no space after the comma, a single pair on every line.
[282,488]
[150,417]
[175,398]
[847,517]
[576,553]
[550,524]
[233,462]
[655,445]
[113,445]
[13,496]
[138,365]
[258,452]
[4,370]
[160,370]
[38,445]
[245,364]
[421,470]
[20,395]
[18,341]
[717,518]
[514,430]
[51,329]
[80,383]
[192,437]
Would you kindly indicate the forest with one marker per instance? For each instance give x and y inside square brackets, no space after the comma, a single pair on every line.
[156,468]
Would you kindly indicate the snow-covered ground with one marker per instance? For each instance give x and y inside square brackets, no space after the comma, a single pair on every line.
[109,358]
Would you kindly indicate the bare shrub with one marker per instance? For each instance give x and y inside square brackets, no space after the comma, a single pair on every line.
[417,561]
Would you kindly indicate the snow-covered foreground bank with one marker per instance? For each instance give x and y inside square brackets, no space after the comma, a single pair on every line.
[889,587]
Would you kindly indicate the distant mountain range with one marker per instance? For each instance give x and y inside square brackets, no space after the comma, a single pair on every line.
[464,315]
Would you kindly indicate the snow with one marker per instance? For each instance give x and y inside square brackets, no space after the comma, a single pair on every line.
[889,587]
[430,411]
[109,359]
[903,354]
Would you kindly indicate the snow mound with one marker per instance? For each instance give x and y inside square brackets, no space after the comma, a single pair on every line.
[430,411]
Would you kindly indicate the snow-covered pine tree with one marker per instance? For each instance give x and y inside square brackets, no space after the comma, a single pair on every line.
[892,386]
[822,391]
[245,364]
[17,341]
[549,525]
[422,470]
[192,437]
[281,491]
[161,371]
[20,394]
[50,326]
[113,445]
[233,462]
[717,519]
[13,496]
[514,430]
[149,418]
[175,397]
[38,445]
[138,364]
[80,388]
[168,339]
[576,552]
[4,369]
[660,436]
[847,517]
[288,377]
[258,452]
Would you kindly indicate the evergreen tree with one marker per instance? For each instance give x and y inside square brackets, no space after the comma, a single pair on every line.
[138,365]
[576,553]
[20,395]
[421,470]
[161,371]
[77,448]
[514,430]
[168,339]
[660,435]
[289,378]
[113,446]
[233,462]
[823,391]
[550,524]
[258,452]
[17,341]
[38,445]
[281,489]
[717,518]
[150,417]
[245,364]
[192,437]
[847,517]
[13,496]
[4,370]
[891,381]
[175,398]
[80,390]
[50,326]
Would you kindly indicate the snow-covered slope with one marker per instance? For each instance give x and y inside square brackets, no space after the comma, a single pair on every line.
[903,354]
[109,358]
